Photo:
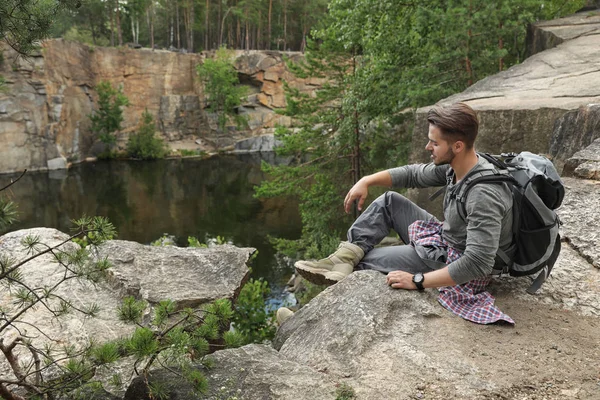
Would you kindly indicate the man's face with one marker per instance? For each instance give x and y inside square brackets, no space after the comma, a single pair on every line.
[440,149]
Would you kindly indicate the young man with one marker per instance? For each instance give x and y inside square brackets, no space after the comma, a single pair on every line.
[444,254]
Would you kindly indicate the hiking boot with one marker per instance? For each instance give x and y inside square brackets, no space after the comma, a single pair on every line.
[283,314]
[334,268]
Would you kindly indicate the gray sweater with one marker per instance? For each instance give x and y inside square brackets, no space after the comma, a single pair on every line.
[489,217]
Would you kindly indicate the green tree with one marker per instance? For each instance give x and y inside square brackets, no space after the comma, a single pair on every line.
[174,339]
[378,60]
[25,22]
[107,119]
[222,88]
[251,319]
[144,144]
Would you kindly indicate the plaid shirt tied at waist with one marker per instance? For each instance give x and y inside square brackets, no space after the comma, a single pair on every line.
[468,300]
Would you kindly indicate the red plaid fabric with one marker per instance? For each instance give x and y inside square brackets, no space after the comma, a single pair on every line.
[468,300]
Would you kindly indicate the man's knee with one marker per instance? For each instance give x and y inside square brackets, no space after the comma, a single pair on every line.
[396,199]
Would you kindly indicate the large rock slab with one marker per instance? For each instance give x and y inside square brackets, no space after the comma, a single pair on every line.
[585,163]
[403,345]
[580,215]
[189,276]
[74,328]
[545,35]
[574,131]
[250,372]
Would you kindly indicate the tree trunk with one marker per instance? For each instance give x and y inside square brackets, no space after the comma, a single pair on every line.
[220,23]
[238,32]
[178,24]
[304,32]
[119,32]
[285,25]
[468,65]
[500,46]
[247,30]
[206,38]
[191,33]
[356,172]
[150,15]
[171,28]
[268,47]
[92,29]
[258,32]
[112,24]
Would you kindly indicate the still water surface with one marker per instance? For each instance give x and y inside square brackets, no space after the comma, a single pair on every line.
[183,197]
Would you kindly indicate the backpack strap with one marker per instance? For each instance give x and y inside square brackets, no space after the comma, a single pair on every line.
[503,261]
[488,175]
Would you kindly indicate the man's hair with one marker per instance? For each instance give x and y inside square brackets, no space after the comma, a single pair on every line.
[457,122]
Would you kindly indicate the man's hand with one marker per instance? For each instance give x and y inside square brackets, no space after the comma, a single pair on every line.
[359,191]
[401,280]
[433,279]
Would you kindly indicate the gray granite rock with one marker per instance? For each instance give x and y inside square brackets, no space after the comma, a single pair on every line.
[580,216]
[394,344]
[188,276]
[585,163]
[257,143]
[248,373]
[518,109]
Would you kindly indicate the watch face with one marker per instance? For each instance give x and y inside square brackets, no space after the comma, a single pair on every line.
[418,278]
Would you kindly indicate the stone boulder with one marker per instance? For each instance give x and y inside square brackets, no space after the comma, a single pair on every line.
[257,143]
[574,131]
[189,276]
[251,372]
[395,344]
[585,163]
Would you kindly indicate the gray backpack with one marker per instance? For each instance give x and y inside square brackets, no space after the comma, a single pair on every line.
[537,191]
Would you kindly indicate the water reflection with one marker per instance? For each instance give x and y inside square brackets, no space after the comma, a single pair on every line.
[144,200]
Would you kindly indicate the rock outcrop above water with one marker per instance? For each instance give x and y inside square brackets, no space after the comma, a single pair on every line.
[44,115]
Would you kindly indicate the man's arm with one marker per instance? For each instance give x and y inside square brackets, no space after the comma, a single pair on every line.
[360,190]
[408,176]
[433,279]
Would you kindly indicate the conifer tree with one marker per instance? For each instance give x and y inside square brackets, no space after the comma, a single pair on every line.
[222,89]
[107,119]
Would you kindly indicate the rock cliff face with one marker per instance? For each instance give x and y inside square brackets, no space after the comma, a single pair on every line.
[44,113]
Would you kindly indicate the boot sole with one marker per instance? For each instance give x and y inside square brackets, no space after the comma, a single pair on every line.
[315,275]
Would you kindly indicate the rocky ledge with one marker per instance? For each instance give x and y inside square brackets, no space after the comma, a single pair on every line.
[189,276]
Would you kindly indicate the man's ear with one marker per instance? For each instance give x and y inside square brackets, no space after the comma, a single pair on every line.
[458,146]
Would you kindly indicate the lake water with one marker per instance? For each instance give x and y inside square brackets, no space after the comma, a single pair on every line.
[181,197]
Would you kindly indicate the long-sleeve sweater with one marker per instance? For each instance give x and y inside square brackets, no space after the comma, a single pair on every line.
[488,222]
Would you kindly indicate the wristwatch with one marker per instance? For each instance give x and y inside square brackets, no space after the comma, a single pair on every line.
[418,280]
